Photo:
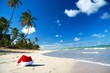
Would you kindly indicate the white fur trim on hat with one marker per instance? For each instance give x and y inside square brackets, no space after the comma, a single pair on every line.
[26,63]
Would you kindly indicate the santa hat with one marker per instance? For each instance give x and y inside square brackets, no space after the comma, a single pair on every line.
[25,60]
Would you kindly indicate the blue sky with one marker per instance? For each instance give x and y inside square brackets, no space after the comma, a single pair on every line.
[86,22]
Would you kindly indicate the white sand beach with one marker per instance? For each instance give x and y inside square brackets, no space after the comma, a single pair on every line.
[46,64]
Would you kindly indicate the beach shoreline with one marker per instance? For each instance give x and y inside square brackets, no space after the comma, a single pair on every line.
[46,64]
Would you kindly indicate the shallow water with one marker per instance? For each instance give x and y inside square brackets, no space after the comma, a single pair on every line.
[101,56]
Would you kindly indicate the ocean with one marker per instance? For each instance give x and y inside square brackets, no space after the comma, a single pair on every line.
[92,55]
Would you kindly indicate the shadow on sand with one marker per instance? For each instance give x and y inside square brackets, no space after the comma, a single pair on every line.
[35,65]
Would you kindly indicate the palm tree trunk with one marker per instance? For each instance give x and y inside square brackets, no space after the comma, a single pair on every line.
[12,14]
[13,39]
[25,35]
[7,27]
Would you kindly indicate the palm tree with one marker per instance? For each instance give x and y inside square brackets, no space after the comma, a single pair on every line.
[28,41]
[19,42]
[29,44]
[34,43]
[22,35]
[3,25]
[6,40]
[13,4]
[14,34]
[27,20]
[36,39]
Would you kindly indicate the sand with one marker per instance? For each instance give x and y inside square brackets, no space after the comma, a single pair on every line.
[46,64]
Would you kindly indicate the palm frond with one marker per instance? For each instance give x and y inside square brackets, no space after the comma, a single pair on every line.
[29,12]
[33,18]
[20,2]
[34,24]
[14,3]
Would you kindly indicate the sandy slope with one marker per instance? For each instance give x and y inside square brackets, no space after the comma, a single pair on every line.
[42,64]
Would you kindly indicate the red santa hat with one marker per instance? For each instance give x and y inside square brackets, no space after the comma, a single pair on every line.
[25,60]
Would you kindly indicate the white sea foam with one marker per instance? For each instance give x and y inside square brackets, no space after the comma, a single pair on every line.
[102,64]
[90,52]
[94,48]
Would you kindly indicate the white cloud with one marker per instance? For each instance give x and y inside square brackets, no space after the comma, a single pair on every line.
[71,13]
[89,7]
[57,43]
[76,39]
[58,36]
[80,33]
[86,6]
[61,41]
[45,42]
[105,30]
[31,30]
[98,35]
[105,16]
[58,22]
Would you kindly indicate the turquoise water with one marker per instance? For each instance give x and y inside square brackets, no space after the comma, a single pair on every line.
[100,55]
[68,47]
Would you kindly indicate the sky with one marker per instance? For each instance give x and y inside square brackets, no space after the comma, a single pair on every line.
[64,22]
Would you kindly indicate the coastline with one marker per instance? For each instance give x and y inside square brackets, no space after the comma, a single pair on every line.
[46,64]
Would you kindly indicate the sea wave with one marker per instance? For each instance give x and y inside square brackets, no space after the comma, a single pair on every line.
[94,48]
[101,57]
[90,52]
[99,63]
